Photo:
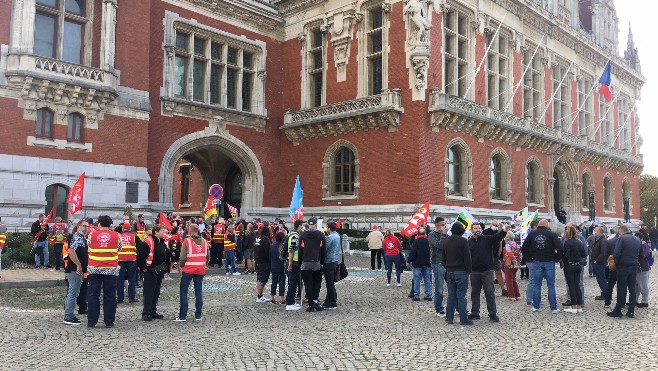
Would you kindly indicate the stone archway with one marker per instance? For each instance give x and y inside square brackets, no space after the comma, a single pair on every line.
[216,137]
[566,189]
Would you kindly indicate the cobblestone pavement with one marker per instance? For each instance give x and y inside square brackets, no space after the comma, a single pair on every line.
[376,327]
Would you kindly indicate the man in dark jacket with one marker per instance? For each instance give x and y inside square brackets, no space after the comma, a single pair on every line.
[599,260]
[436,238]
[542,247]
[40,244]
[312,254]
[484,257]
[457,260]
[262,257]
[420,258]
[498,256]
[627,258]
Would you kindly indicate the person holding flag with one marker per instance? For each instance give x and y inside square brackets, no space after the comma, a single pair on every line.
[39,231]
[58,233]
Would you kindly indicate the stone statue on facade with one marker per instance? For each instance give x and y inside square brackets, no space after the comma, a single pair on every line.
[416,12]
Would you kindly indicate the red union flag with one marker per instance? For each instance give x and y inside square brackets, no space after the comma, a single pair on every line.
[420,218]
[76,195]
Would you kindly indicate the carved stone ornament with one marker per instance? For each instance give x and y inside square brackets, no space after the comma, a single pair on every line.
[387,7]
[441,6]
[262,74]
[420,67]
[301,37]
[340,26]
[418,21]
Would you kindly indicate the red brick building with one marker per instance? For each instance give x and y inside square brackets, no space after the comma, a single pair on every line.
[378,105]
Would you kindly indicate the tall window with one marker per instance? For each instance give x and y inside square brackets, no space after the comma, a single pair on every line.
[624,123]
[495,178]
[531,182]
[344,173]
[75,125]
[586,188]
[45,119]
[56,195]
[220,74]
[605,121]
[454,171]
[586,106]
[562,100]
[59,29]
[316,67]
[457,46]
[186,179]
[532,85]
[498,70]
[608,194]
[375,50]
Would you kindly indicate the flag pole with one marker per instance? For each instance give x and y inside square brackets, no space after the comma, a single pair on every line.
[556,90]
[622,126]
[612,104]
[587,97]
[524,72]
[486,53]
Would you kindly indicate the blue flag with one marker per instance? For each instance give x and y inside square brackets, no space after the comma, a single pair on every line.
[296,211]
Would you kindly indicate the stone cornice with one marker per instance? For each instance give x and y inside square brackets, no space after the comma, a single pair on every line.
[540,19]
[464,116]
[287,7]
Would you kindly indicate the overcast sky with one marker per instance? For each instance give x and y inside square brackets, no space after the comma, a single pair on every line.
[642,19]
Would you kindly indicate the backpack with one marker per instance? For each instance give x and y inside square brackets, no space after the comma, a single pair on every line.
[283,251]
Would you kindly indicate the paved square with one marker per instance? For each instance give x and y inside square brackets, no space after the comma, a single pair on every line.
[375,328]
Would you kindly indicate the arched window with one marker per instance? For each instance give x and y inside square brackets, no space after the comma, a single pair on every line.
[344,172]
[341,171]
[627,194]
[76,122]
[534,182]
[495,181]
[608,194]
[56,195]
[454,171]
[45,119]
[458,181]
[586,181]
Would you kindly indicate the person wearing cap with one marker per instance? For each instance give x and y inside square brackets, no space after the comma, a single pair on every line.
[436,238]
[376,246]
[457,261]
[127,263]
[312,253]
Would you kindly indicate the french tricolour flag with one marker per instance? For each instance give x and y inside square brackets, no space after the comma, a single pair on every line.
[605,82]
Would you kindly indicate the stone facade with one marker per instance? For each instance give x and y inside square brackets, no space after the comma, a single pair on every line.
[378,105]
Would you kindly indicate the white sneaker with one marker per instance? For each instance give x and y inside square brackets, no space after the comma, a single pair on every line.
[388,285]
[580,310]
[570,310]
[168,278]
[178,319]
[198,319]
[399,284]
[262,299]
[535,309]
[237,274]
[228,273]
[293,307]
[555,311]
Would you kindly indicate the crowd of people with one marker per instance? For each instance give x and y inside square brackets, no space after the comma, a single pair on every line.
[115,258]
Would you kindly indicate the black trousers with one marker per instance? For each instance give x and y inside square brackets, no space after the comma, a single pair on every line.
[612,281]
[312,282]
[216,253]
[329,271]
[379,254]
[151,293]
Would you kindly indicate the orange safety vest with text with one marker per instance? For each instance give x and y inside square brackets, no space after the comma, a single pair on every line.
[195,262]
[149,241]
[128,251]
[104,249]
[218,233]
[228,244]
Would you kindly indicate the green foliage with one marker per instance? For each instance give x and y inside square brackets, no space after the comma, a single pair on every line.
[648,198]
[359,245]
[17,249]
[128,211]
[353,233]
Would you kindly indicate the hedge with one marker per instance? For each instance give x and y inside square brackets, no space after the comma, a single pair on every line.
[18,249]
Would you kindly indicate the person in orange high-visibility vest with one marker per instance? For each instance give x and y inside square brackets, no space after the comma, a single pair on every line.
[192,264]
[127,264]
[229,248]
[217,246]
[103,268]
[153,259]
[140,227]
[57,237]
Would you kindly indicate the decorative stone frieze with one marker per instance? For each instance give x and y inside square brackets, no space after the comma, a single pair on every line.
[340,26]
[371,112]
[259,15]
[207,112]
[464,116]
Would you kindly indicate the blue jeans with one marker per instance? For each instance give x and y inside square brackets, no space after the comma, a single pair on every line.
[293,284]
[230,260]
[388,263]
[74,281]
[185,280]
[426,274]
[541,271]
[109,285]
[599,273]
[128,272]
[654,245]
[439,279]
[530,290]
[457,283]
[46,254]
[626,280]
[278,280]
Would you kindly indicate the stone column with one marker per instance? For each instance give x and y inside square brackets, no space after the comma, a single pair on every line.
[108,42]
[22,27]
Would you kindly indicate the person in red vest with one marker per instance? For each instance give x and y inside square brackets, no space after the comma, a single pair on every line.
[58,233]
[192,264]
[217,246]
[153,259]
[229,247]
[127,264]
[103,268]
